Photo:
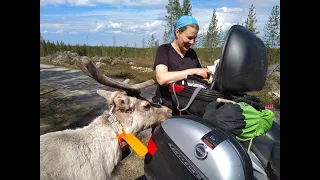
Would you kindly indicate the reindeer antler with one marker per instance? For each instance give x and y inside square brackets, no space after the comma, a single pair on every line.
[87,66]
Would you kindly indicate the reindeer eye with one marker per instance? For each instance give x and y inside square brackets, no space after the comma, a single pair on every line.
[146,107]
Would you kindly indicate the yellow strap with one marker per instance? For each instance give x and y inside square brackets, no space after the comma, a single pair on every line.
[250,145]
[135,144]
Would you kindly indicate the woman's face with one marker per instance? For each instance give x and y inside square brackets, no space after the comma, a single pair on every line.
[186,38]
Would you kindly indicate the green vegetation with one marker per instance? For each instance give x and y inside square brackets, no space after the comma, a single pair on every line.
[264,94]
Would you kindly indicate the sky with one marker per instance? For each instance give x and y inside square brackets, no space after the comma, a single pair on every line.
[99,22]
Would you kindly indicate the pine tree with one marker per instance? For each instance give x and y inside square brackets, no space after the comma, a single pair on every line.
[151,46]
[170,21]
[42,46]
[143,43]
[63,46]
[114,40]
[135,49]
[156,44]
[272,28]
[151,41]
[165,36]
[212,37]
[174,12]
[114,45]
[272,34]
[177,11]
[58,46]
[186,8]
[41,38]
[251,20]
[102,50]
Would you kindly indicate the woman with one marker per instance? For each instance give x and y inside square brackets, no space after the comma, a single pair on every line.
[175,60]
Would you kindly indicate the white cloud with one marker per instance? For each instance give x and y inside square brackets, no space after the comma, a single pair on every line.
[153,24]
[150,32]
[114,25]
[229,16]
[59,31]
[53,32]
[100,27]
[230,10]
[259,3]
[146,26]
[109,24]
[73,32]
[119,32]
[54,25]
[117,3]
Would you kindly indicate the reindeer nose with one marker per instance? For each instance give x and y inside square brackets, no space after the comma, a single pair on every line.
[169,111]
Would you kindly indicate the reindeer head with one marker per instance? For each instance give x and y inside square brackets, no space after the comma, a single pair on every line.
[134,112]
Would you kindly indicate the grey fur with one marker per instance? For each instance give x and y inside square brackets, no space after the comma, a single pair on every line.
[92,152]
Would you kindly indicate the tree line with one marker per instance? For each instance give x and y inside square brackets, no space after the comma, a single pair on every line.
[208,44]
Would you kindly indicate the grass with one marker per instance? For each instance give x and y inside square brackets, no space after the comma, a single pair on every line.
[264,95]
[121,69]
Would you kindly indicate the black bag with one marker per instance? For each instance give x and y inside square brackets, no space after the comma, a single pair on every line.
[226,116]
[190,99]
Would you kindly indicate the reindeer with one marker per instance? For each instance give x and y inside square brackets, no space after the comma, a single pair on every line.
[93,151]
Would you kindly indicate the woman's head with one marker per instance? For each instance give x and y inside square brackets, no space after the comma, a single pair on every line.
[186,36]
[185,32]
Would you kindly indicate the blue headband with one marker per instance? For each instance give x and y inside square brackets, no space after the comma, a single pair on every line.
[182,21]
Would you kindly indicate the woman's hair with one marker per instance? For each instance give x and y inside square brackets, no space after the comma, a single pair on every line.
[182,23]
[196,26]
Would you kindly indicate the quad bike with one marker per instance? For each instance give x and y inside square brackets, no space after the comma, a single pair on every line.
[191,147]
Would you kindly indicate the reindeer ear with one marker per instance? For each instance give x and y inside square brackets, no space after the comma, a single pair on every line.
[108,95]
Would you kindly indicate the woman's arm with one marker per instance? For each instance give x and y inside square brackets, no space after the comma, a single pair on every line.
[164,77]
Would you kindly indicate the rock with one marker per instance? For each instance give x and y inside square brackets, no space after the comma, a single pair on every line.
[143,69]
[96,58]
[99,64]
[63,57]
[276,94]
[276,74]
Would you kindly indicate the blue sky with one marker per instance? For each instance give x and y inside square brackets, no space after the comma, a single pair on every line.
[97,22]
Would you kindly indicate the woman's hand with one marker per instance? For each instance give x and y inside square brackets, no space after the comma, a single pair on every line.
[203,72]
